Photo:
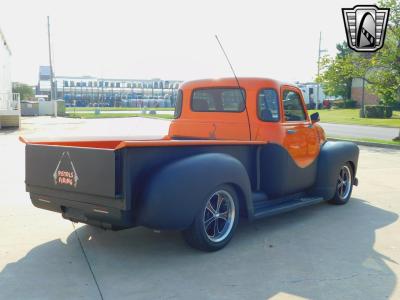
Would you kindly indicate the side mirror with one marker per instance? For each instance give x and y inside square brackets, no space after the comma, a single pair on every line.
[314,117]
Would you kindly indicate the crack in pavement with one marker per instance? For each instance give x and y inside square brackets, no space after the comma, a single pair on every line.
[87,261]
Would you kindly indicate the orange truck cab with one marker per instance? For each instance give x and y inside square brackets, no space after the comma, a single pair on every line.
[236,147]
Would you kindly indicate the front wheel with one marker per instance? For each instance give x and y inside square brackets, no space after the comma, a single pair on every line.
[216,221]
[344,185]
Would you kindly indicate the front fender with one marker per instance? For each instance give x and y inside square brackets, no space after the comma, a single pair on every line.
[175,194]
[332,156]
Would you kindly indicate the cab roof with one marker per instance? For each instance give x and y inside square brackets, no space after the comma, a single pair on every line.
[244,82]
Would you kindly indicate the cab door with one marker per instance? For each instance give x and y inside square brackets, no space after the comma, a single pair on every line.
[300,136]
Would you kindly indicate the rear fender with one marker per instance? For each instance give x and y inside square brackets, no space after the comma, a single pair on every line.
[175,193]
[332,156]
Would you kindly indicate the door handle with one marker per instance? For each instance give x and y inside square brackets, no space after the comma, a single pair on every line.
[291,131]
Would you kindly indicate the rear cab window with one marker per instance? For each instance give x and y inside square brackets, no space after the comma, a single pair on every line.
[218,100]
[293,107]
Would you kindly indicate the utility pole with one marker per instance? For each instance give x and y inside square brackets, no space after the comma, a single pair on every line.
[319,64]
[319,58]
[362,111]
[50,60]
[51,69]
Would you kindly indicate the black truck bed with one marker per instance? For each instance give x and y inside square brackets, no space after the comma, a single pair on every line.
[104,187]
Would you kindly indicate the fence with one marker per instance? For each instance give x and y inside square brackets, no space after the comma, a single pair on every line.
[10,101]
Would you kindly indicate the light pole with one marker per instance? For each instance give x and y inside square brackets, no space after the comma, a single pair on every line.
[319,63]
[362,111]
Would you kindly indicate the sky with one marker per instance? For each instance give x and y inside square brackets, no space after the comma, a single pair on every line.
[172,39]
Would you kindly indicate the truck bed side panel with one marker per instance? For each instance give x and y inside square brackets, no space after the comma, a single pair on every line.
[142,163]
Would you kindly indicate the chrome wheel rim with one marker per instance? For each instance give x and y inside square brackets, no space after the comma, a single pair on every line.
[344,183]
[219,216]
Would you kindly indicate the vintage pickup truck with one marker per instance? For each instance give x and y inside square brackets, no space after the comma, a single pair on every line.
[243,147]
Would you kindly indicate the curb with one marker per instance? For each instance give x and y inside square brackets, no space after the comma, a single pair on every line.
[368,144]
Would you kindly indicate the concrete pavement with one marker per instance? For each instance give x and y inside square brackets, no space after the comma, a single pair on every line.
[319,252]
[158,112]
[139,126]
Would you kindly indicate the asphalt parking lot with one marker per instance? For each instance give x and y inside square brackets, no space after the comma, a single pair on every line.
[318,252]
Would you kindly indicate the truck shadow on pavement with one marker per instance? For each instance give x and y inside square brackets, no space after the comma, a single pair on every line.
[319,252]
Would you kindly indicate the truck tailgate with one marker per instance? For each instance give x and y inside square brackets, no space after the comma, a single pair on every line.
[86,175]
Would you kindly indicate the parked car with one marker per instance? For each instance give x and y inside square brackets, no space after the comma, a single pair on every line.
[250,150]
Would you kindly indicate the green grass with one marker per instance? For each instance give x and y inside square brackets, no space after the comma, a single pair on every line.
[351,116]
[377,141]
[90,115]
[72,109]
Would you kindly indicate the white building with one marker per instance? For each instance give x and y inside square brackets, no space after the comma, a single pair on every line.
[94,91]
[9,103]
[310,90]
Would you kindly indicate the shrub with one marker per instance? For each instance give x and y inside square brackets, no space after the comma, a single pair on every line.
[374,111]
[338,104]
[388,111]
[350,104]
[346,103]
[396,105]
[310,106]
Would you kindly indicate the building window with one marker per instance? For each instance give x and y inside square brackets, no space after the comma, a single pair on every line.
[83,84]
[72,83]
[218,100]
[65,83]
[112,84]
[118,84]
[293,106]
[105,83]
[268,105]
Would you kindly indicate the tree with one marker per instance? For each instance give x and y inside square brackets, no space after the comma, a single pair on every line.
[333,70]
[386,77]
[25,91]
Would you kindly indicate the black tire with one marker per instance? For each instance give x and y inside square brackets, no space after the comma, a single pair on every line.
[199,235]
[344,185]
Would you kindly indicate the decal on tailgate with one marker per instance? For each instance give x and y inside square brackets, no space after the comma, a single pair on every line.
[65,173]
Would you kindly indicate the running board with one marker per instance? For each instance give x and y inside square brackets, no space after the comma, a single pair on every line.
[268,208]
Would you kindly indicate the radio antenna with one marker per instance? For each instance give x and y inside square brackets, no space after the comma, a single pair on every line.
[237,82]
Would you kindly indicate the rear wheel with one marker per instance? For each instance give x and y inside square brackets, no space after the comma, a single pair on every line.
[344,185]
[216,221]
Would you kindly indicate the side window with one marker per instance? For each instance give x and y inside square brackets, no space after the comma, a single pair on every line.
[268,105]
[178,105]
[293,107]
[218,100]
